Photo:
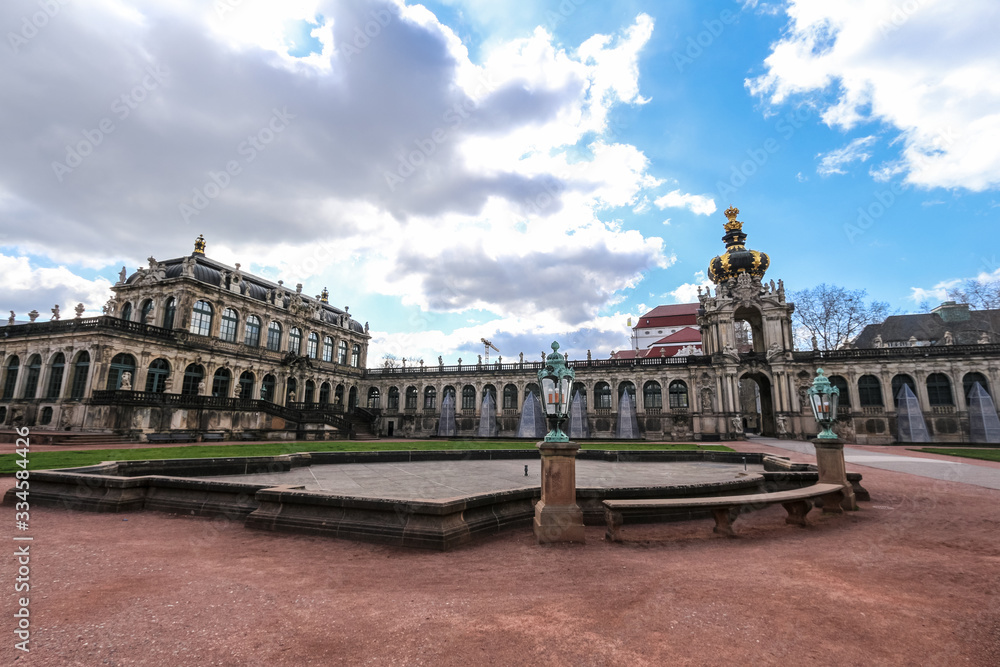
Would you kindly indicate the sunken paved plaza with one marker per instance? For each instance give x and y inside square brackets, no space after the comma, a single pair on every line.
[910,579]
[448,479]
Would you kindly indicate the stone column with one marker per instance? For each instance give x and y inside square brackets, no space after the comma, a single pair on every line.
[557,516]
[832,470]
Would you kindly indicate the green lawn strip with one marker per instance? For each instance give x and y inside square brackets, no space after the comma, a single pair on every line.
[74,458]
[983,454]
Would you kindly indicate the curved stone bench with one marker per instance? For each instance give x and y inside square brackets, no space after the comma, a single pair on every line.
[797,502]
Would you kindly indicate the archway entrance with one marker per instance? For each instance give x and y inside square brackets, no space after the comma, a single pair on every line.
[757,404]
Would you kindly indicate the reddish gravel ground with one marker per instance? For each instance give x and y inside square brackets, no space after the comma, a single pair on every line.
[911,579]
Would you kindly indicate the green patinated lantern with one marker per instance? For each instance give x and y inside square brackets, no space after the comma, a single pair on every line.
[556,381]
[823,397]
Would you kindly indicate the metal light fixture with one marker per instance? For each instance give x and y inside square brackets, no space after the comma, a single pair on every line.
[823,398]
[556,381]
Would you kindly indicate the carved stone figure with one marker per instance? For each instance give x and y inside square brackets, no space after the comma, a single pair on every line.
[201,387]
[984,338]
[122,274]
[521,357]
[79,310]
[877,343]
[440,362]
[815,343]
[737,425]
[782,423]
[948,338]
[588,355]
[10,320]
[33,315]
[126,381]
[55,313]
[237,390]
[480,362]
[706,400]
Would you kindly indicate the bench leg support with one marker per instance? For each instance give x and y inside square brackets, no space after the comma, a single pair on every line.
[797,511]
[614,521]
[832,503]
[724,521]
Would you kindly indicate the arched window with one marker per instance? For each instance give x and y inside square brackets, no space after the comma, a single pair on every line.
[169,310]
[156,376]
[120,364]
[251,335]
[845,394]
[127,311]
[355,355]
[678,393]
[897,384]
[193,375]
[324,393]
[201,318]
[247,381]
[220,382]
[509,397]
[468,397]
[10,380]
[374,398]
[430,398]
[310,396]
[56,369]
[295,340]
[342,353]
[145,310]
[81,369]
[327,349]
[338,395]
[352,399]
[448,391]
[578,388]
[3,414]
[31,380]
[629,387]
[392,403]
[411,398]
[267,388]
[652,395]
[291,390]
[227,326]
[312,345]
[602,395]
[869,391]
[274,337]
[46,416]
[939,389]
[971,379]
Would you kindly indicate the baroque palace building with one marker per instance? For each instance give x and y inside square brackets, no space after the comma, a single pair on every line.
[192,346]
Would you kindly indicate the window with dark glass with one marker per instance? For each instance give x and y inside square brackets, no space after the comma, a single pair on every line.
[251,336]
[56,376]
[312,345]
[356,355]
[310,396]
[897,385]
[10,379]
[193,375]
[267,388]
[295,340]
[509,397]
[156,376]
[678,393]
[246,385]
[411,398]
[374,398]
[939,389]
[146,309]
[652,395]
[81,369]
[127,311]
[840,383]
[602,395]
[324,393]
[328,349]
[168,313]
[120,364]
[393,400]
[869,391]
[228,324]
[220,383]
[970,380]
[468,397]
[430,398]
[31,379]
[201,318]
[274,337]
[342,353]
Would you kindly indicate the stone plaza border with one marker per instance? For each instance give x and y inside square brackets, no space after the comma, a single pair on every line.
[172,485]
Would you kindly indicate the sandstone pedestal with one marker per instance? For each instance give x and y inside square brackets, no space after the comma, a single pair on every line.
[557,516]
[832,470]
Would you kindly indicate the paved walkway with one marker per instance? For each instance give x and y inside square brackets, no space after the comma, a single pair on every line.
[912,463]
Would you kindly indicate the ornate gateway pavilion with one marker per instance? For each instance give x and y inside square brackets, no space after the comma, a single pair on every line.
[192,348]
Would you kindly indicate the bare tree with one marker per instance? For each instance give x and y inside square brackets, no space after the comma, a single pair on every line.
[835,315]
[390,361]
[979,294]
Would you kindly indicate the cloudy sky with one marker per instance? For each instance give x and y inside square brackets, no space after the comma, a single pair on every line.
[519,171]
